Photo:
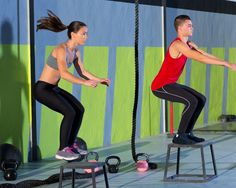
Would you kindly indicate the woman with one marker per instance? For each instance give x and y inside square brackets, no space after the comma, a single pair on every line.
[47,92]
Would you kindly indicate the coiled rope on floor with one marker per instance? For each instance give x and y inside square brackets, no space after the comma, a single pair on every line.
[52,179]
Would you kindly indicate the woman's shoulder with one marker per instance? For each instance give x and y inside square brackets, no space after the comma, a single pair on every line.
[59,49]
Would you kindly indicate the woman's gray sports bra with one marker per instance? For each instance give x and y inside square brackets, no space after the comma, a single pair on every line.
[52,61]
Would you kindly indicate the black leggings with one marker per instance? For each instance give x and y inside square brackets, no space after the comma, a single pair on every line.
[193,101]
[63,102]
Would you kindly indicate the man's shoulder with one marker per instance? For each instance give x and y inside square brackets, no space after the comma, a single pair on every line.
[175,43]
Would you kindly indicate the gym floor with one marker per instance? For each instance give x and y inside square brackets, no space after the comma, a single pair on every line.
[190,163]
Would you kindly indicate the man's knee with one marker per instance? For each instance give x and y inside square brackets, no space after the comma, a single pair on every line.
[192,104]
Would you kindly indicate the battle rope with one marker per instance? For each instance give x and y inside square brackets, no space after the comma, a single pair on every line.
[52,179]
[134,115]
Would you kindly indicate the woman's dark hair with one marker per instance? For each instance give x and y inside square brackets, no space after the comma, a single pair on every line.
[53,23]
[179,20]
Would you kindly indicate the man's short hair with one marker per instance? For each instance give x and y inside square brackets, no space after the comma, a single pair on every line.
[179,20]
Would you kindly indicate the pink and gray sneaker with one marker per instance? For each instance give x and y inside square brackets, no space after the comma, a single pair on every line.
[66,154]
[75,148]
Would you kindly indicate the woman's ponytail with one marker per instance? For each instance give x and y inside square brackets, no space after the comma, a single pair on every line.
[52,23]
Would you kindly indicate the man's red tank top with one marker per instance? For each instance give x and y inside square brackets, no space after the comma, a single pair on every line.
[170,71]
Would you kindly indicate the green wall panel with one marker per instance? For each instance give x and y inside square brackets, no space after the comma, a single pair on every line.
[216,87]
[94,99]
[123,95]
[151,105]
[15,98]
[231,94]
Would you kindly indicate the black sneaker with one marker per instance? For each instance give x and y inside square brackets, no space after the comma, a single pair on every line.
[182,139]
[191,136]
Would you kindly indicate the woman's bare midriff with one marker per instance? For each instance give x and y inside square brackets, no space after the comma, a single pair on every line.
[50,75]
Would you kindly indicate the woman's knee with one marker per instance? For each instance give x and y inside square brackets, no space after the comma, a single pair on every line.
[69,113]
[73,112]
[202,100]
[82,109]
[79,109]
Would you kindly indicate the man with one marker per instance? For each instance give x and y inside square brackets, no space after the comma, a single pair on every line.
[165,87]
